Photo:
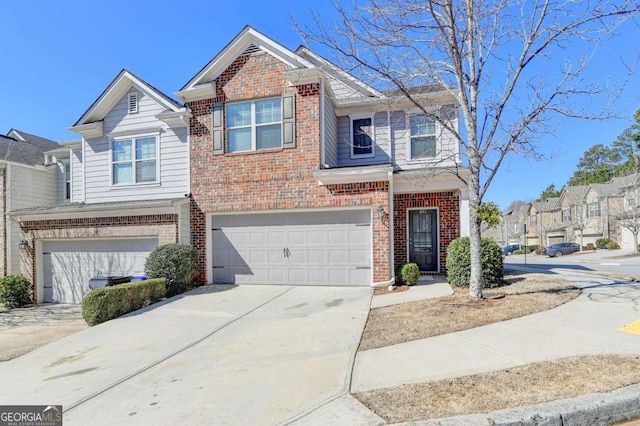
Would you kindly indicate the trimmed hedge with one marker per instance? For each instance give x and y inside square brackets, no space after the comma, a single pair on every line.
[106,303]
[15,291]
[410,273]
[178,263]
[601,243]
[459,263]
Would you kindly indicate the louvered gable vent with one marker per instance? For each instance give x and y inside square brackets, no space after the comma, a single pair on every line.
[251,49]
[133,102]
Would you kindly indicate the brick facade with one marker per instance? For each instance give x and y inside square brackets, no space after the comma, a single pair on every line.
[274,179]
[448,204]
[164,226]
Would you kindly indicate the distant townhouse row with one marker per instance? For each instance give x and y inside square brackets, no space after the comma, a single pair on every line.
[582,214]
[277,166]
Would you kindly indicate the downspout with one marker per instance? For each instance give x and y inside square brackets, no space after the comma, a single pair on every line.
[322,129]
[84,171]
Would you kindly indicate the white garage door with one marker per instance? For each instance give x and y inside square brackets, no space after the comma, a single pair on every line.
[331,248]
[68,265]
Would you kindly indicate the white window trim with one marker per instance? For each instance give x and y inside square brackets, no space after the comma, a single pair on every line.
[133,137]
[589,215]
[67,179]
[137,103]
[373,135]
[254,126]
[438,156]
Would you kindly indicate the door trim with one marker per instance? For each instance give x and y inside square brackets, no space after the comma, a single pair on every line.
[407,235]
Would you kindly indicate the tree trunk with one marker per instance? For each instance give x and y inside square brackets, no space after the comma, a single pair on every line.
[475,282]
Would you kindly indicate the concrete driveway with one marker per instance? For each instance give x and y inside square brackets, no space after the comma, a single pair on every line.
[223,355]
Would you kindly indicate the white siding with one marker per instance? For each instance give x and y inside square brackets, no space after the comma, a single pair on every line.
[331,135]
[173,155]
[26,187]
[382,147]
[76,176]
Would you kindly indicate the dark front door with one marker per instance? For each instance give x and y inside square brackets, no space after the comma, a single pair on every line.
[423,239]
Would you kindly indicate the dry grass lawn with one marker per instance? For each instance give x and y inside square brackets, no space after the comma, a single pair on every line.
[524,294]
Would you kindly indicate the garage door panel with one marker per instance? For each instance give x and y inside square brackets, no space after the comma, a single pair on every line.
[294,248]
[68,265]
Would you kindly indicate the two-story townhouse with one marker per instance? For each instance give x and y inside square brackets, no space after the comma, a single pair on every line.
[628,218]
[303,174]
[570,217]
[511,230]
[542,218]
[25,181]
[601,200]
[120,190]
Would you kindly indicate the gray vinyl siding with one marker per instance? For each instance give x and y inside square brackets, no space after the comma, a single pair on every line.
[26,187]
[330,135]
[381,143]
[447,146]
[173,155]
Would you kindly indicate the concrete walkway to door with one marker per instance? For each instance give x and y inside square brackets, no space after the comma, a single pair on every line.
[223,355]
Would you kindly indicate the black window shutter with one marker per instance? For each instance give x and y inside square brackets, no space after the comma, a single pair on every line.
[289,121]
[217,128]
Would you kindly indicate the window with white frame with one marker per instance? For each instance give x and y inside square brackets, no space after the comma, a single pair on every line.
[362,137]
[134,160]
[67,181]
[566,215]
[593,209]
[534,219]
[423,136]
[254,125]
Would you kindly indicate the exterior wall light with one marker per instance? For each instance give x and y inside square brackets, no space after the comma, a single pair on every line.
[23,245]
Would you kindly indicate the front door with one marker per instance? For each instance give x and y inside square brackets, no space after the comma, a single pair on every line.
[423,239]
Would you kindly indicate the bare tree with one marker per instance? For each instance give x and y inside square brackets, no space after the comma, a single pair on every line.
[499,59]
[627,214]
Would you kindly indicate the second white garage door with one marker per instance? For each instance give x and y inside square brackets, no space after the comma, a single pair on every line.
[68,265]
[330,248]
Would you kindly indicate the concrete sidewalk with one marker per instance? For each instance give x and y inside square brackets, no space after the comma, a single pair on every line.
[587,325]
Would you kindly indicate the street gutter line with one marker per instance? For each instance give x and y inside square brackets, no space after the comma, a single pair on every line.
[171,355]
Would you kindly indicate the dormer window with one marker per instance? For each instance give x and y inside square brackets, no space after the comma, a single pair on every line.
[133,102]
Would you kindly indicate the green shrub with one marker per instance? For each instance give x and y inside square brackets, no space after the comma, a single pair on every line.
[410,273]
[15,291]
[459,263]
[613,245]
[399,280]
[533,248]
[106,303]
[178,263]
[601,243]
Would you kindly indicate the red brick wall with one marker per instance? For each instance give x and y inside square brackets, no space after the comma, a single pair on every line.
[271,179]
[448,204]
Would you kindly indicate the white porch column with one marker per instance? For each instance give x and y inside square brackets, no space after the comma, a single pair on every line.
[465,227]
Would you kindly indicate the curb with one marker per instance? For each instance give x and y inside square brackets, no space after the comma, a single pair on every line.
[586,410]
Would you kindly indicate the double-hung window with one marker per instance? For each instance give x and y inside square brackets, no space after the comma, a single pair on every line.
[423,136]
[254,125]
[593,209]
[134,160]
[566,215]
[362,137]
[630,199]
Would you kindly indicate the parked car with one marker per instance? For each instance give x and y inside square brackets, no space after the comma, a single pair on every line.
[560,249]
[508,250]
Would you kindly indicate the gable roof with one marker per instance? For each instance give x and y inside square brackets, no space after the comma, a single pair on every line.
[605,189]
[573,194]
[116,90]
[29,150]
[547,205]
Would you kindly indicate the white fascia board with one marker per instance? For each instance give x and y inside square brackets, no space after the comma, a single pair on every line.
[352,175]
[197,93]
[89,130]
[175,119]
[406,183]
[235,48]
[304,76]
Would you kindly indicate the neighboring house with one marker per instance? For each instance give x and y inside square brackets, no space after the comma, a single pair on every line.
[628,220]
[542,218]
[570,215]
[302,174]
[599,202]
[26,181]
[513,224]
[118,192]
